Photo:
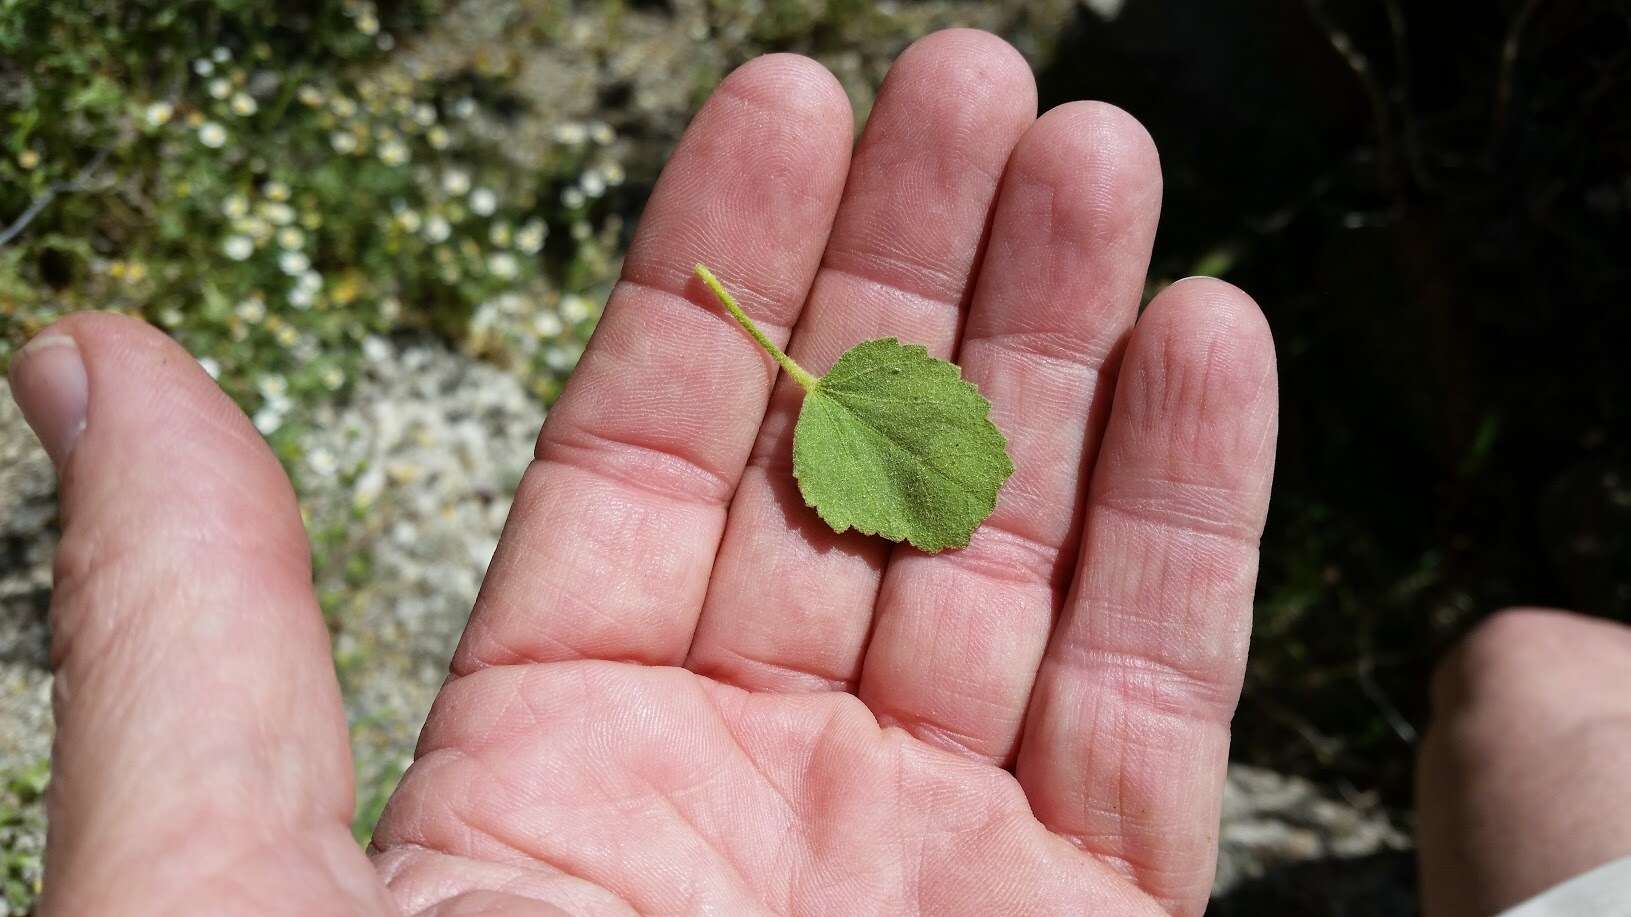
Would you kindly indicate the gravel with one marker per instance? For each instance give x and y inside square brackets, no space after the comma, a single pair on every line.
[28,536]
[406,486]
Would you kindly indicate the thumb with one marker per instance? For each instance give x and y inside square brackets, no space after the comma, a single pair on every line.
[201,762]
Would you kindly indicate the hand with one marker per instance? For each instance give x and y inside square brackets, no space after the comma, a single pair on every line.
[679,692]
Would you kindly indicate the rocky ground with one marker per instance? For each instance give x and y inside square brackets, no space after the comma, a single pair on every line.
[406,485]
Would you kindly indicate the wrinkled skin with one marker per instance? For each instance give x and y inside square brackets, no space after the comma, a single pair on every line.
[678,692]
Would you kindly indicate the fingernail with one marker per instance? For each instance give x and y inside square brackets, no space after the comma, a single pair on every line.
[49,384]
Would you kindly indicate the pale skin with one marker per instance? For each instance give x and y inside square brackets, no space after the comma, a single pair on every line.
[1522,780]
[678,692]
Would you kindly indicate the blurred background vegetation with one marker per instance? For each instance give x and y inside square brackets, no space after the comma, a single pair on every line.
[1431,202]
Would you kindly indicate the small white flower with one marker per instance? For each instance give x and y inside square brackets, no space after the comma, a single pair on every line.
[456,182]
[267,420]
[277,191]
[424,114]
[235,207]
[390,308]
[375,349]
[310,280]
[393,152]
[464,108]
[220,87]
[344,142]
[309,95]
[571,133]
[483,202]
[572,198]
[332,377]
[321,461]
[220,55]
[370,485]
[211,366]
[251,310]
[278,212]
[601,133]
[293,263]
[203,66]
[438,138]
[530,240]
[613,173]
[243,105]
[547,324]
[343,106]
[272,387]
[158,114]
[574,308]
[212,135]
[254,227]
[237,247]
[559,358]
[368,24]
[437,229]
[503,265]
[592,184]
[499,234]
[290,238]
[302,298]
[384,41]
[409,220]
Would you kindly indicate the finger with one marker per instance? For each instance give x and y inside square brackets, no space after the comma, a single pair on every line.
[791,602]
[607,550]
[201,749]
[959,635]
[1127,737]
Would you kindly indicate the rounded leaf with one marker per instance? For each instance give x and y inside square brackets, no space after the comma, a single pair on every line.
[894,442]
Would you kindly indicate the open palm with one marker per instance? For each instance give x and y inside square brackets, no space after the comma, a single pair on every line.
[679,692]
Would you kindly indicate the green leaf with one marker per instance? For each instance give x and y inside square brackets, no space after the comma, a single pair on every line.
[892,441]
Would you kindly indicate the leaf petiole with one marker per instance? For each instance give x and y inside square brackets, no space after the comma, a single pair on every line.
[802,377]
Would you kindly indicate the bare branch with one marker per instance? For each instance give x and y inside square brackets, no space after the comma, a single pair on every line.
[1362,70]
[80,182]
[1402,94]
[1509,62]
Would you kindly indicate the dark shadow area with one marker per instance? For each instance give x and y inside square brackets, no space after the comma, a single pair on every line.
[1379,885]
[1433,204]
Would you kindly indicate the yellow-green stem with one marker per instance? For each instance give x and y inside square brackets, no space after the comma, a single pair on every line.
[798,373]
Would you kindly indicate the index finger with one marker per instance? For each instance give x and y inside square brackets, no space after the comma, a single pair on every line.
[609,545]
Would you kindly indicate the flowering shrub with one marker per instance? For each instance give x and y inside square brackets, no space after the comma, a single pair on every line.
[22,828]
[276,192]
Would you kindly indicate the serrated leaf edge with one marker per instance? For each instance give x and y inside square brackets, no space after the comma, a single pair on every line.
[989,507]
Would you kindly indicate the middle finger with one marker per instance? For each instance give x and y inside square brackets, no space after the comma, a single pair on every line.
[790,603]
[959,635]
